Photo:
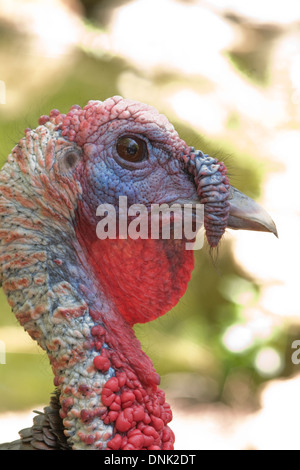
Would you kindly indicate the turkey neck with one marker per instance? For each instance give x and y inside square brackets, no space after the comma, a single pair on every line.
[120,404]
[108,388]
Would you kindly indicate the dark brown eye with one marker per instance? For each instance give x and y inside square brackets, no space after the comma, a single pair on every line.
[132,148]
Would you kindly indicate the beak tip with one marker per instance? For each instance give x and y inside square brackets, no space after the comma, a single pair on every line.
[271,227]
[275,232]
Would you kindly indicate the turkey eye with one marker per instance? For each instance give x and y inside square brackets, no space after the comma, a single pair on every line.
[131,149]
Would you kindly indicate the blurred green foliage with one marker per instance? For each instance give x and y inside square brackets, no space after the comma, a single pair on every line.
[25,380]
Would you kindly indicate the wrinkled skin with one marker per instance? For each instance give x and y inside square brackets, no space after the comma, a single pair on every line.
[79,296]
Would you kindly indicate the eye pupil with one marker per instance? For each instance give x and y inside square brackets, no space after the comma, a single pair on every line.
[132,149]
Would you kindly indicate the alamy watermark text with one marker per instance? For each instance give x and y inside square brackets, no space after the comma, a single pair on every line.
[159,221]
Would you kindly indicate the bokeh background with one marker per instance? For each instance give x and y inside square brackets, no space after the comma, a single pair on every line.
[227,75]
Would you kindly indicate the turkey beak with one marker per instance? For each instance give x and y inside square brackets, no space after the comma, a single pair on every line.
[246,214]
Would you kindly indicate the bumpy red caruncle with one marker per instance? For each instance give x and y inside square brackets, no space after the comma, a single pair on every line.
[139,416]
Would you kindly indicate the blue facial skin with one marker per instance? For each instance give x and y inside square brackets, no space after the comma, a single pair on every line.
[160,177]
